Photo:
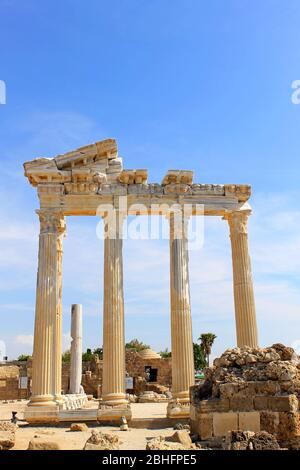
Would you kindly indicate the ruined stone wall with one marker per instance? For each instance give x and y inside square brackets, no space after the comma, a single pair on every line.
[9,383]
[65,377]
[91,375]
[250,389]
[135,367]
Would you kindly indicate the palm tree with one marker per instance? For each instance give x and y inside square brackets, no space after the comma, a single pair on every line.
[206,342]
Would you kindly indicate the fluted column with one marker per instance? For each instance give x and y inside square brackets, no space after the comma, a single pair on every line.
[181,322]
[113,387]
[245,316]
[76,348]
[46,367]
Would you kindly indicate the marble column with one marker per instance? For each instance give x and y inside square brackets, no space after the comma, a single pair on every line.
[181,322]
[113,387]
[46,367]
[76,349]
[245,316]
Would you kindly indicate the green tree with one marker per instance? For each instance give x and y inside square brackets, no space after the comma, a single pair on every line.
[199,357]
[136,345]
[66,356]
[165,353]
[87,356]
[24,357]
[206,342]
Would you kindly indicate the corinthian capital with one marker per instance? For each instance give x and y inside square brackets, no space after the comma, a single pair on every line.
[52,222]
[238,222]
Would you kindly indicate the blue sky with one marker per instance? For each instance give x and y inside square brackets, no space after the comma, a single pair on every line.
[183,84]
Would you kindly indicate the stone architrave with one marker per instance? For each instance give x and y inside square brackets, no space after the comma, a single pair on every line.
[183,372]
[76,349]
[245,316]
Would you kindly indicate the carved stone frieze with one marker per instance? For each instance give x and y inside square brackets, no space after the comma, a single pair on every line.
[81,188]
[145,189]
[51,189]
[133,176]
[114,189]
[240,191]
[208,189]
[177,188]
[178,176]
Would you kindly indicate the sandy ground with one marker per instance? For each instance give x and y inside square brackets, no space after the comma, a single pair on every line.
[133,439]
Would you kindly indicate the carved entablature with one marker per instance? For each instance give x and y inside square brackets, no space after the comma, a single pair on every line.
[81,188]
[51,189]
[97,154]
[208,189]
[96,163]
[145,189]
[96,170]
[113,189]
[177,188]
[241,191]
[43,171]
[178,176]
[133,177]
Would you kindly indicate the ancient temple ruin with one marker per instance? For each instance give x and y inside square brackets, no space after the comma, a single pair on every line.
[91,181]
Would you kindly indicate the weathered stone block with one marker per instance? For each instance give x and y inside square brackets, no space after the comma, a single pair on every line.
[289,429]
[228,390]
[283,403]
[212,405]
[81,427]
[205,426]
[224,422]
[241,403]
[267,387]
[193,412]
[7,440]
[249,421]
[261,402]
[182,437]
[44,443]
[269,421]
[102,441]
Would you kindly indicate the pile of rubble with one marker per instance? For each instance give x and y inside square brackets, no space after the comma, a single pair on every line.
[7,435]
[250,389]
[239,440]
[180,440]
[152,397]
[278,366]
[102,441]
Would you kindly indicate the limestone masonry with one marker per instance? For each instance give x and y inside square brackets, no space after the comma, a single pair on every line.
[250,389]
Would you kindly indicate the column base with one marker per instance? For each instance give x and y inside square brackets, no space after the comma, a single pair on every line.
[42,400]
[114,399]
[41,414]
[178,409]
[112,414]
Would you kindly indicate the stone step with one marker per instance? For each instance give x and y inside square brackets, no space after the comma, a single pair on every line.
[78,415]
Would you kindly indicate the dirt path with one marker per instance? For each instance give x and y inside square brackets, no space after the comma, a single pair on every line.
[133,439]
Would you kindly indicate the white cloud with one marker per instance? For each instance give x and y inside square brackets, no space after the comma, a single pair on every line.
[24,340]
